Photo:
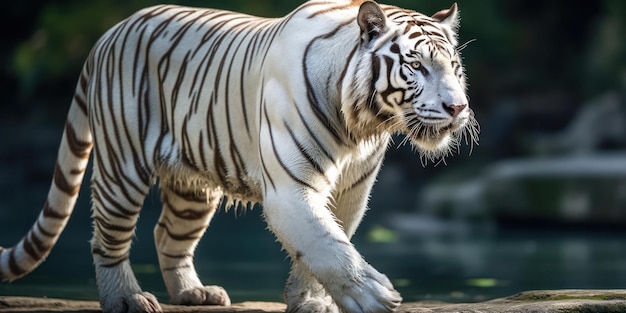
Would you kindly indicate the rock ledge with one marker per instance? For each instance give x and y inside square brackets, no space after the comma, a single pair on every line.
[541,301]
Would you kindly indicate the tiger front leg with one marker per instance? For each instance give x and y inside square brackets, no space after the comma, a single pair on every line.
[303,293]
[314,240]
[185,216]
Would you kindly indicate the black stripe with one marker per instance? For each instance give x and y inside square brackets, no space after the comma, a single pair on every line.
[112,227]
[49,212]
[43,231]
[39,244]
[103,254]
[14,267]
[305,154]
[79,148]
[314,103]
[280,161]
[193,234]
[28,247]
[267,174]
[110,241]
[62,184]
[362,179]
[81,103]
[185,214]
[177,256]
[312,134]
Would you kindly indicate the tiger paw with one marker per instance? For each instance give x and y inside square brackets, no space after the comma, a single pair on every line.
[313,305]
[135,303]
[373,293]
[207,295]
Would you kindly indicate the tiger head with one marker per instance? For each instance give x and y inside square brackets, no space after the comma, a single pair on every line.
[409,79]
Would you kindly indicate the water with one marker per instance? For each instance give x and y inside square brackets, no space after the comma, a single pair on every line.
[241,255]
[481,267]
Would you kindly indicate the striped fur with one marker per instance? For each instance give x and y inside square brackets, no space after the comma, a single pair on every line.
[294,113]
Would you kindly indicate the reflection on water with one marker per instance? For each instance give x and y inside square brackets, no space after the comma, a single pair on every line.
[241,255]
[480,267]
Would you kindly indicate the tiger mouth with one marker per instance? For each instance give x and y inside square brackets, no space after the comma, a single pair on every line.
[438,136]
[433,131]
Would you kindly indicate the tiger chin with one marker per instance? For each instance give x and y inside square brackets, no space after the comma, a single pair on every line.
[294,113]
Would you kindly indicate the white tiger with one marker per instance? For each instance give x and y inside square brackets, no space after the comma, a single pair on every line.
[294,113]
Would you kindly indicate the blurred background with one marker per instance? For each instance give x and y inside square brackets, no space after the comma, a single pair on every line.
[540,203]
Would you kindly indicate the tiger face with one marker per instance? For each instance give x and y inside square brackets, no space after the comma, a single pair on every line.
[418,83]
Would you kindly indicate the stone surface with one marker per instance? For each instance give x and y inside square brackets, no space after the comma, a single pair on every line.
[543,301]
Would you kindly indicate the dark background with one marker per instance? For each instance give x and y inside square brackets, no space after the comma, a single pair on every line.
[543,193]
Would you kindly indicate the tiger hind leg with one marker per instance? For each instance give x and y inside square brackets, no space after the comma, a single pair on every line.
[187,212]
[115,212]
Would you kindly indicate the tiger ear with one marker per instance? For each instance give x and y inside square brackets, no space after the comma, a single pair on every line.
[372,20]
[450,18]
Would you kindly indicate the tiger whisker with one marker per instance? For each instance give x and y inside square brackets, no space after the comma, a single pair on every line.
[464,45]
[371,98]
[385,122]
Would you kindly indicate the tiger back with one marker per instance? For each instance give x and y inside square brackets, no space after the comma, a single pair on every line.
[294,113]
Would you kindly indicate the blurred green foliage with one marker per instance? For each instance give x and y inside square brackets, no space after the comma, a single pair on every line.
[521,48]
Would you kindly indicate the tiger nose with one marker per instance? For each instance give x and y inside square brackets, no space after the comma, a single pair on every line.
[454,109]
